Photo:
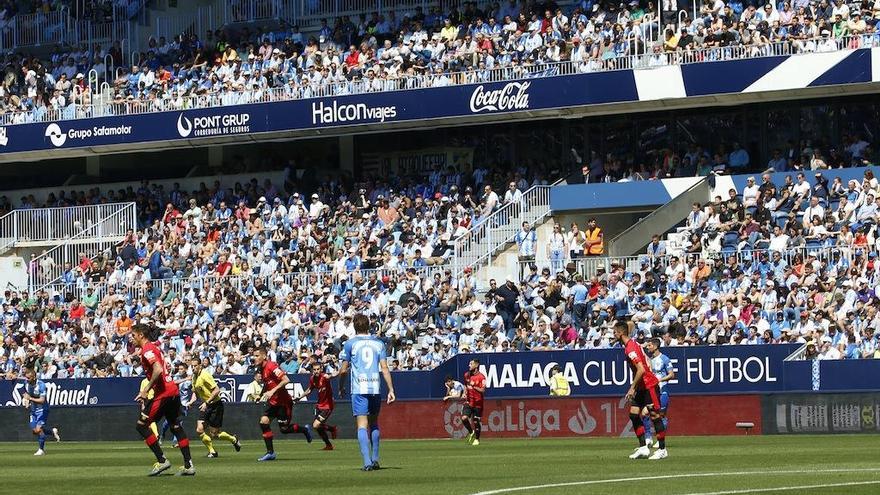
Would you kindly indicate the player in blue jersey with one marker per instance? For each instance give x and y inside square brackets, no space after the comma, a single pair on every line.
[38,403]
[662,368]
[364,357]
[184,383]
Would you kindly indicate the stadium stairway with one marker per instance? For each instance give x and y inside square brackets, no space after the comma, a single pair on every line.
[485,248]
[635,238]
[51,237]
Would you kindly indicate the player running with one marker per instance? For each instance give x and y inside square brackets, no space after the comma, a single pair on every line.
[205,388]
[164,403]
[320,381]
[472,412]
[279,403]
[643,393]
[37,402]
[663,370]
[364,357]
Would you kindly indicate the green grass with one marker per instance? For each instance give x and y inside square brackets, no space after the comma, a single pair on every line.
[452,467]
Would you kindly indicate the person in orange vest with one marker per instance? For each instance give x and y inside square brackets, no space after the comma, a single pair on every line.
[595,244]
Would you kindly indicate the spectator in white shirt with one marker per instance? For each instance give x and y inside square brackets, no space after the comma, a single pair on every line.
[750,193]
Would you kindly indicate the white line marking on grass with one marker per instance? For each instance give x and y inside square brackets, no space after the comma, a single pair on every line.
[683,475]
[789,488]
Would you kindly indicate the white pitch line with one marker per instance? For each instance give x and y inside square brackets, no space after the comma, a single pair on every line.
[675,476]
[789,488]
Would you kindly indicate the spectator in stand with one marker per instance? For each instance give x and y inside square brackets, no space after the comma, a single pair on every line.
[595,245]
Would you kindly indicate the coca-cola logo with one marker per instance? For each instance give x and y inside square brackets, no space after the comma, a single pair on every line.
[513,96]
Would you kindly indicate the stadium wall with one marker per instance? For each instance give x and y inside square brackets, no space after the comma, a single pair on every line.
[509,418]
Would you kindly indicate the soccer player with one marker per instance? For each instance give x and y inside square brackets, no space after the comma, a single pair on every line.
[164,403]
[279,403]
[472,412]
[364,356]
[643,393]
[205,388]
[145,383]
[38,404]
[662,368]
[184,385]
[454,389]
[320,381]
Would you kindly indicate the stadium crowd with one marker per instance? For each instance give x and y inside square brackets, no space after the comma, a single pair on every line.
[786,279]
[397,50]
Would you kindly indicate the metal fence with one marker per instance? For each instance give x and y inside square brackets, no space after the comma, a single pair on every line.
[101,235]
[471,76]
[178,286]
[36,29]
[490,234]
[44,225]
[589,266]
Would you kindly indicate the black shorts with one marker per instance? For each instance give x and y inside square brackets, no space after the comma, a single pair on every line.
[213,414]
[281,412]
[471,411]
[322,415]
[649,397]
[153,410]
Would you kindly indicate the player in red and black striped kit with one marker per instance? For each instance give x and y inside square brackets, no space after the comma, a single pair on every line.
[279,403]
[643,393]
[165,402]
[472,412]
[320,381]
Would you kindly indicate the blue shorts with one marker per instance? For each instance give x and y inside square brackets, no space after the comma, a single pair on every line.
[366,405]
[39,418]
[664,401]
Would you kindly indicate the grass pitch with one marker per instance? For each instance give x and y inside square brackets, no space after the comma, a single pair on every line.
[697,465]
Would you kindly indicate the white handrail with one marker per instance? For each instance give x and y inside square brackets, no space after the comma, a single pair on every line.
[489,234]
[92,240]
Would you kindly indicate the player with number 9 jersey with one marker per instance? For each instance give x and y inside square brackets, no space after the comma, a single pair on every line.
[364,357]
[364,353]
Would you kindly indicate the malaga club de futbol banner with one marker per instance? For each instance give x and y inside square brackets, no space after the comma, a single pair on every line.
[592,373]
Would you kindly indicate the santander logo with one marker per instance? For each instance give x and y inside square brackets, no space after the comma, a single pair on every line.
[513,96]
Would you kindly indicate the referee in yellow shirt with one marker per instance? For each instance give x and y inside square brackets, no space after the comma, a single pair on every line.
[211,410]
[558,384]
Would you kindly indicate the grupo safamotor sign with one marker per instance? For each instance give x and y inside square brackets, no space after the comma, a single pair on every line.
[592,373]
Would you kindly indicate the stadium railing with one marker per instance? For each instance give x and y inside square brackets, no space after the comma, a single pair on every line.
[47,225]
[490,234]
[36,29]
[588,266]
[519,73]
[99,237]
[179,285]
